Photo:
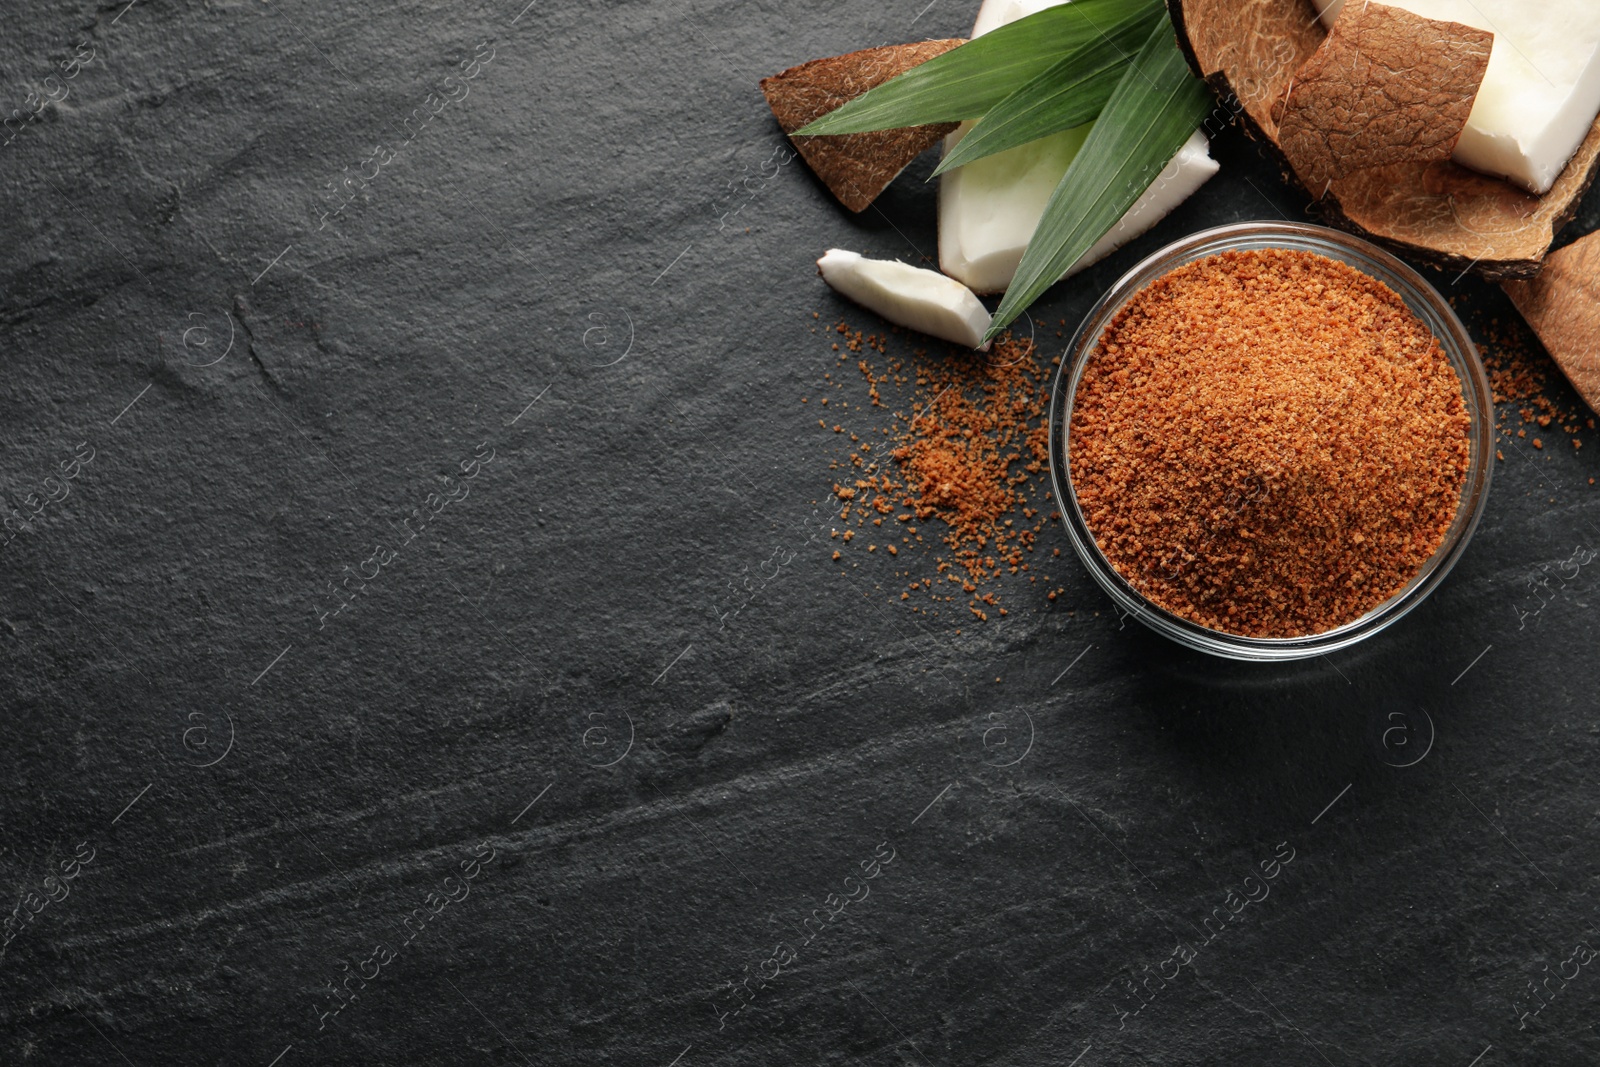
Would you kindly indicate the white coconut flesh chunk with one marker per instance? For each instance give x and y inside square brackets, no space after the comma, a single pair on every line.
[1541,92]
[923,300]
[989,208]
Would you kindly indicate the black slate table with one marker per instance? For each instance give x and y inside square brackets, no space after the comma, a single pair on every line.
[515,794]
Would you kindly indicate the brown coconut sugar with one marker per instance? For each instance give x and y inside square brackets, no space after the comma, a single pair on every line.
[1528,385]
[1268,443]
[956,479]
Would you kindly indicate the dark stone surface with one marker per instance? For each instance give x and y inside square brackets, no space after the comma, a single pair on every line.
[543,272]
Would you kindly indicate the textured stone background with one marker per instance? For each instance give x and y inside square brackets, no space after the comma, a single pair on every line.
[548,274]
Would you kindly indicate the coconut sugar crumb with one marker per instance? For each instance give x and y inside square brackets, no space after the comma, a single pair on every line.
[1528,386]
[957,479]
[1268,443]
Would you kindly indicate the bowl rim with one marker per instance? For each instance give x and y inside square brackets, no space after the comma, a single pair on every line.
[1419,296]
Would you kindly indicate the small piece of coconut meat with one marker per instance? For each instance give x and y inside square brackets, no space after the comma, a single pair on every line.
[1541,92]
[920,299]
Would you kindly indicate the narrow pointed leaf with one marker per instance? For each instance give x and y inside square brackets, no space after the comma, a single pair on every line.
[967,81]
[1068,94]
[1153,110]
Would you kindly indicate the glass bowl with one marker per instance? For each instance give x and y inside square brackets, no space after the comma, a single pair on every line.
[1419,297]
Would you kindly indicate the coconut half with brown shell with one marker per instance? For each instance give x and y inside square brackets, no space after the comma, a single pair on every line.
[1419,202]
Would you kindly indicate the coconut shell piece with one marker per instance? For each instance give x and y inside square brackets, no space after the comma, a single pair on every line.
[1434,211]
[1563,306]
[1386,87]
[856,167]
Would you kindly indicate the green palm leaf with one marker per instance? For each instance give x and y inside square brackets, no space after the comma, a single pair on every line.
[1068,94]
[967,81]
[1153,110]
